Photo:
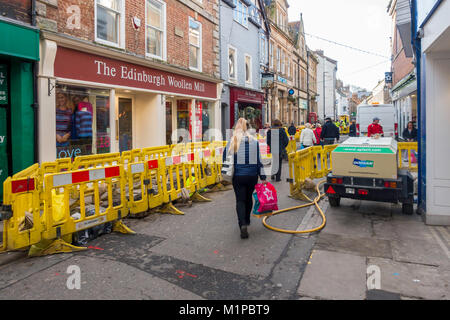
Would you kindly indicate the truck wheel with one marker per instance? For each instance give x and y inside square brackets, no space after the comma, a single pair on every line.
[334,201]
[407,208]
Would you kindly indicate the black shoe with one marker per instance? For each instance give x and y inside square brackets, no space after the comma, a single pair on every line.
[244,232]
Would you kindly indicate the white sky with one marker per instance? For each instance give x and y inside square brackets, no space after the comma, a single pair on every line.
[363,24]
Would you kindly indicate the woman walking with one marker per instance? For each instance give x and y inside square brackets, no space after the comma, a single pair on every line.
[307,137]
[247,168]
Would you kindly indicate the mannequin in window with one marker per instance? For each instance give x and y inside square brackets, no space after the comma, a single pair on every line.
[63,120]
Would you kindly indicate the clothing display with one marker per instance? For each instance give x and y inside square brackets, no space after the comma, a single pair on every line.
[83,122]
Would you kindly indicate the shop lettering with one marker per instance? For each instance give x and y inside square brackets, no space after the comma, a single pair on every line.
[134,74]
[2,138]
[69,153]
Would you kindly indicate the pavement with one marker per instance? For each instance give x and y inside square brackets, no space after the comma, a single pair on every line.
[366,251]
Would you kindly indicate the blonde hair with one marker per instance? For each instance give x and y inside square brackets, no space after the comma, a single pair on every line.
[240,131]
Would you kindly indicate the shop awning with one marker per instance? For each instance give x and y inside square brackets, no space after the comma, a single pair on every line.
[19,40]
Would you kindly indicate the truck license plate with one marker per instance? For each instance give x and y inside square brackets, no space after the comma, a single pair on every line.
[350,190]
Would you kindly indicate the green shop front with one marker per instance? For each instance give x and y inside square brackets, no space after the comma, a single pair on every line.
[19,49]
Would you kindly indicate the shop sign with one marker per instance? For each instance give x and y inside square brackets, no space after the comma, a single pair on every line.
[72,64]
[3,84]
[282,80]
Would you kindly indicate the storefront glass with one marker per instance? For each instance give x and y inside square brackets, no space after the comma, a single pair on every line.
[183,120]
[207,119]
[82,121]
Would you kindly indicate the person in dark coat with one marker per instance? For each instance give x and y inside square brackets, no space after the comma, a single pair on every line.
[410,133]
[329,133]
[292,130]
[352,129]
[277,148]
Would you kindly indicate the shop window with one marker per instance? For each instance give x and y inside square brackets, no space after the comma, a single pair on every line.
[248,70]
[82,121]
[195,45]
[109,21]
[207,120]
[183,120]
[156,29]
[232,64]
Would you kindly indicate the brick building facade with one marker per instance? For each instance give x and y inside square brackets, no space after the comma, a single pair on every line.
[142,61]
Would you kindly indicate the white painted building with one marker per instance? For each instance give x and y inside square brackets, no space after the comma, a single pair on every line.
[326,86]
[433,26]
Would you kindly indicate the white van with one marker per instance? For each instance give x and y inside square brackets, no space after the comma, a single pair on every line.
[385,112]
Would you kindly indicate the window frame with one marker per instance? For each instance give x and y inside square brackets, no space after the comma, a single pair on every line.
[230,79]
[200,46]
[120,25]
[250,81]
[239,14]
[163,57]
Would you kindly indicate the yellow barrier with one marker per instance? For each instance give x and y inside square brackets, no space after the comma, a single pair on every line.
[408,156]
[65,216]
[44,206]
[313,162]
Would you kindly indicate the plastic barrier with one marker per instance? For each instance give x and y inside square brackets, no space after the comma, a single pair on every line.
[408,155]
[313,162]
[45,206]
[98,203]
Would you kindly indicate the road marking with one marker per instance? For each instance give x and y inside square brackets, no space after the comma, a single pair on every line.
[439,241]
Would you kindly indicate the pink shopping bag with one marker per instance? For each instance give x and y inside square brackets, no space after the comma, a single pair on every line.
[266,196]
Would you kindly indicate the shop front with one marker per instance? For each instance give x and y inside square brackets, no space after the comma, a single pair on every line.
[19,50]
[104,104]
[246,104]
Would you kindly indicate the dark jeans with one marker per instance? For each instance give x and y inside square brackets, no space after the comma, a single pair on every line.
[244,186]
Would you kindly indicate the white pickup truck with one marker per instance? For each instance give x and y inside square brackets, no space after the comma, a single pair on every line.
[385,112]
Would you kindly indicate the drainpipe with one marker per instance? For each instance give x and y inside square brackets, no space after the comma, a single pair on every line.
[35,104]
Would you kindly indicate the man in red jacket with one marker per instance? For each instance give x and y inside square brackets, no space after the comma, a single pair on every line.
[375,128]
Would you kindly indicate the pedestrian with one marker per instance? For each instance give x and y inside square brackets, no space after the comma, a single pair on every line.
[352,130]
[277,140]
[307,137]
[410,132]
[292,130]
[247,168]
[375,128]
[317,132]
[330,132]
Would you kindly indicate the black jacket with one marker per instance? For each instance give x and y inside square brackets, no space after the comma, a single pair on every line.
[329,131]
[283,140]
[352,130]
[412,135]
[292,130]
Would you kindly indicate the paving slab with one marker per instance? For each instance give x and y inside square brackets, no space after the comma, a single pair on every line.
[99,279]
[353,224]
[407,230]
[419,251]
[369,247]
[334,276]
[412,280]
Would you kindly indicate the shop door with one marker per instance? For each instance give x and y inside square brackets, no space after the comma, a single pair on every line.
[125,129]
[169,128]
[4,102]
